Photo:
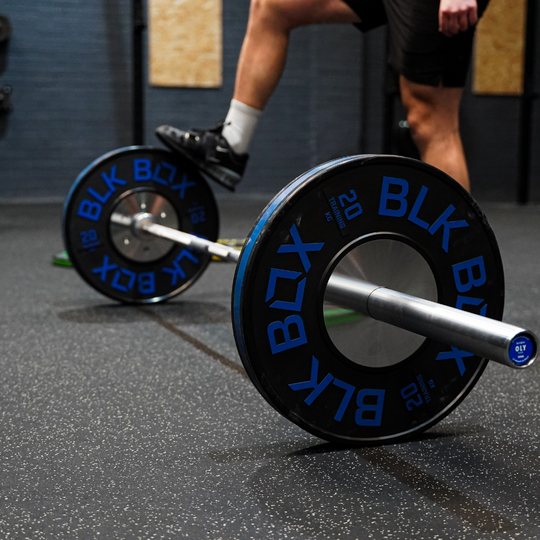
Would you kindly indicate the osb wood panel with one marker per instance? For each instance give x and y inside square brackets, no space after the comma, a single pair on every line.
[499,48]
[185,43]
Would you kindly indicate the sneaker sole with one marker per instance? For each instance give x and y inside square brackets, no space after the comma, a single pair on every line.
[224,177]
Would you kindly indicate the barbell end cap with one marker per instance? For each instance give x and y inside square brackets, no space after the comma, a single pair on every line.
[523,350]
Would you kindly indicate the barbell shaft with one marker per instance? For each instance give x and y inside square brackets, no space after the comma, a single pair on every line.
[198,244]
[469,332]
[146,225]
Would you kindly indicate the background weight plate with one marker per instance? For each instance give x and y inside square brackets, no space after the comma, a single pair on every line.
[158,181]
[279,286]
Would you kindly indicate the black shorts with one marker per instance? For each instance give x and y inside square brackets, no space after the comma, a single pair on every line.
[416,48]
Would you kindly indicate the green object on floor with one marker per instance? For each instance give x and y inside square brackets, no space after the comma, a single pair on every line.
[61,259]
[340,316]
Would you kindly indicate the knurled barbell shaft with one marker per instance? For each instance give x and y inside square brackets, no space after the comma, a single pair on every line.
[469,332]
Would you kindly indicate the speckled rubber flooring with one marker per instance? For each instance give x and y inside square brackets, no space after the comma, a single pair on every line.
[127,422]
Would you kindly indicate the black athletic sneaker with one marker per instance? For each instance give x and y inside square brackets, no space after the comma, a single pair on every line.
[209,151]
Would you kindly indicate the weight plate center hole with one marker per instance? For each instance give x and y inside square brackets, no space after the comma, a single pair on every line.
[385,262]
[138,207]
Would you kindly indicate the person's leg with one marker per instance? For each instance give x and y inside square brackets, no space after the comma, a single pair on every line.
[264,49]
[433,116]
[263,55]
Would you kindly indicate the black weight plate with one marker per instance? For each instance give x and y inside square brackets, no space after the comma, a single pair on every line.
[279,290]
[137,172]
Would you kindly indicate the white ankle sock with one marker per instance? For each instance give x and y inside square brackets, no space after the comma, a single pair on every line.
[240,124]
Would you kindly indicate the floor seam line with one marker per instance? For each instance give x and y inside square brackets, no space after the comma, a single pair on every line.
[199,345]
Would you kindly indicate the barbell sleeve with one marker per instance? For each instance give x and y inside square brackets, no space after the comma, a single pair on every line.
[498,341]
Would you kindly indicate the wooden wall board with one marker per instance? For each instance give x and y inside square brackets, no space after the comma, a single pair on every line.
[499,49]
[185,43]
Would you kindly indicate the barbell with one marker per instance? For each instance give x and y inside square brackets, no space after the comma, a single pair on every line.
[391,241]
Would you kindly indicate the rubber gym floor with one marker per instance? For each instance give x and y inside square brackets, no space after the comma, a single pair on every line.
[139,422]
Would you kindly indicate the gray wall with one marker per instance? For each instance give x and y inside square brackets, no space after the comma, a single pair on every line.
[69,66]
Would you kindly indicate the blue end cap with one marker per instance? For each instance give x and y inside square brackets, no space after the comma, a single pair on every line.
[521,350]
